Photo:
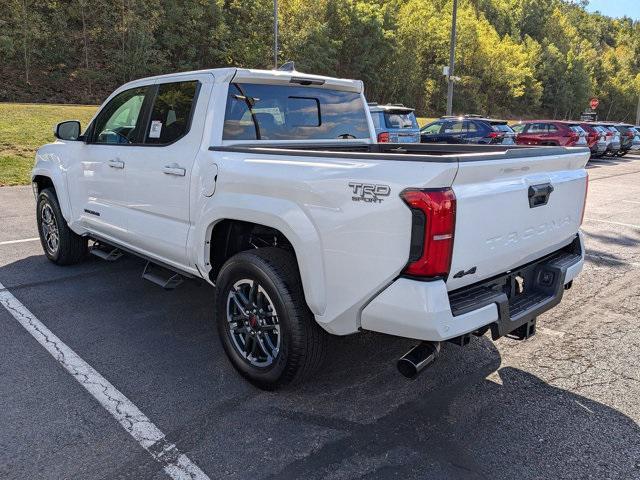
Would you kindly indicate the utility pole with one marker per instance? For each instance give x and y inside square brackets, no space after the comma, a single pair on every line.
[452,59]
[275,33]
[638,112]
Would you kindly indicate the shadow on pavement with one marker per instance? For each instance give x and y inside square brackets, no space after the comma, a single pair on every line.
[515,426]
[464,418]
[618,239]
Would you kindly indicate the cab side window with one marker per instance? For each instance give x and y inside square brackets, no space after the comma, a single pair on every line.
[119,121]
[432,129]
[171,113]
[537,128]
[470,127]
[375,116]
[454,127]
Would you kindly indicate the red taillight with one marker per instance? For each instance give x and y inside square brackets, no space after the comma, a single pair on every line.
[584,204]
[383,137]
[436,209]
[495,135]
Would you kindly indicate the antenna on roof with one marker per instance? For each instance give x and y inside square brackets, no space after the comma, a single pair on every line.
[287,67]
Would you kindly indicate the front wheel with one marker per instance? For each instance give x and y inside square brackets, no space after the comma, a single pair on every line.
[60,244]
[264,323]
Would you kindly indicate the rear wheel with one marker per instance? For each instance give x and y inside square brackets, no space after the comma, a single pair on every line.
[266,328]
[60,244]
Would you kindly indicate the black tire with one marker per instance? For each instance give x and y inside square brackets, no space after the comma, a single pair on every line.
[302,342]
[70,247]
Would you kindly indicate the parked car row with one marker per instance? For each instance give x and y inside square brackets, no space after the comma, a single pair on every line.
[396,123]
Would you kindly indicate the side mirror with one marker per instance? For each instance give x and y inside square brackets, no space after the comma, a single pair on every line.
[69,130]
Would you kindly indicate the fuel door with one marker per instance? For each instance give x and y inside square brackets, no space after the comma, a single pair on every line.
[208,178]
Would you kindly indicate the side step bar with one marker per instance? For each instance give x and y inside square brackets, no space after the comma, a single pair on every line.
[167,279]
[105,252]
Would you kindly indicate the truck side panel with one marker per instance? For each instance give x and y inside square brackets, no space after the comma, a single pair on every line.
[344,218]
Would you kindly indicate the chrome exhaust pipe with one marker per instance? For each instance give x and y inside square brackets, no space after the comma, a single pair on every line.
[418,358]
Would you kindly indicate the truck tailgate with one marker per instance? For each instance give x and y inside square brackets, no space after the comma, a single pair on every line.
[514,210]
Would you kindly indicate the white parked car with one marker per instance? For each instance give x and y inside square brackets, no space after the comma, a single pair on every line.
[270,186]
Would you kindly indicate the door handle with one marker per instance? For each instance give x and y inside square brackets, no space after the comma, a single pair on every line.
[174,169]
[116,163]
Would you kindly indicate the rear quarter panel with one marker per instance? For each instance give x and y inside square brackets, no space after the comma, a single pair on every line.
[348,249]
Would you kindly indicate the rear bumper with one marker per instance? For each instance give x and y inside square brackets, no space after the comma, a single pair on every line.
[426,311]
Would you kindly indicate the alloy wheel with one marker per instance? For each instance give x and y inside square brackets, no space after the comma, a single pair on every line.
[49,228]
[253,323]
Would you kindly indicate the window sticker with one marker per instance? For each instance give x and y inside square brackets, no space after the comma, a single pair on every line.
[156,128]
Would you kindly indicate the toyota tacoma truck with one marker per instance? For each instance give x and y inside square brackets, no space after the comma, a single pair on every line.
[270,186]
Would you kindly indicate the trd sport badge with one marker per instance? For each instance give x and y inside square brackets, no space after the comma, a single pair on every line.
[369,192]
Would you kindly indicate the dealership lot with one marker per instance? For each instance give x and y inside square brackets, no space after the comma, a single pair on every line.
[563,404]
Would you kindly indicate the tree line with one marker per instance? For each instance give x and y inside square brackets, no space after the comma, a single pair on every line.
[516,58]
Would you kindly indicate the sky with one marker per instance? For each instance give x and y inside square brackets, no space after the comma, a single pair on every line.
[616,8]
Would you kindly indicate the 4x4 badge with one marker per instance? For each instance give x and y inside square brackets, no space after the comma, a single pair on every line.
[369,192]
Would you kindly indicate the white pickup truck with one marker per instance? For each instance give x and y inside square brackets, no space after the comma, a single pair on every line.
[270,186]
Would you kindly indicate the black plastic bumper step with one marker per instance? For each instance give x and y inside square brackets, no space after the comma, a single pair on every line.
[167,279]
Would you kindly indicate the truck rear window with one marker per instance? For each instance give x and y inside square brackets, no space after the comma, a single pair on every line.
[281,112]
[400,119]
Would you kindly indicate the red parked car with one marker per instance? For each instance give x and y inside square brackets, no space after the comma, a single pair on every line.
[551,132]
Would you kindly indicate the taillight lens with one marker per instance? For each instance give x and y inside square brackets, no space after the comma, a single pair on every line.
[495,135]
[383,137]
[434,221]
[584,204]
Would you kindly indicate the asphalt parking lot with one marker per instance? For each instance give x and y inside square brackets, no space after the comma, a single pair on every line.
[561,405]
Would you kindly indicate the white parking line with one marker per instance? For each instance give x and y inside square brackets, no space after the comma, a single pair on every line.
[11,242]
[175,464]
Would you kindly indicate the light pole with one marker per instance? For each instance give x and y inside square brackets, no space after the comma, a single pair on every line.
[275,33]
[452,59]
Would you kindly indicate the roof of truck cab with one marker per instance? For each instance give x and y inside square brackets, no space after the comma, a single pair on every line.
[248,75]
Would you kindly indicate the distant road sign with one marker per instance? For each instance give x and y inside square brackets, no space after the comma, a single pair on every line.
[594,103]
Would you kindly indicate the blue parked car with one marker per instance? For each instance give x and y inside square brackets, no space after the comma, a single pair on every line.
[395,123]
[468,129]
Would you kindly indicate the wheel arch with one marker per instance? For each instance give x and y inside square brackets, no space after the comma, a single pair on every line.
[43,178]
[228,235]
